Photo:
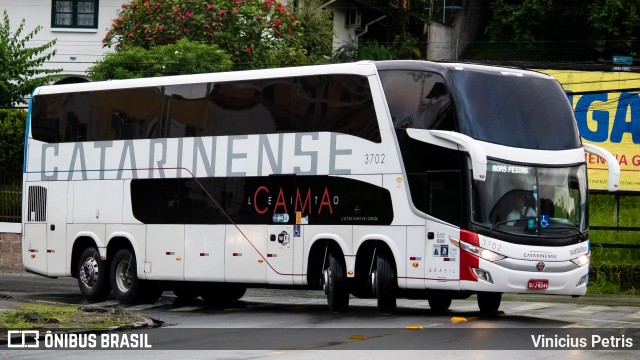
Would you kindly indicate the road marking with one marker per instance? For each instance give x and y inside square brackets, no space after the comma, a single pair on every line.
[591,309]
[635,315]
[532,306]
[188,308]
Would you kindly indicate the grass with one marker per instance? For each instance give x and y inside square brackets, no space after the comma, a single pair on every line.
[55,316]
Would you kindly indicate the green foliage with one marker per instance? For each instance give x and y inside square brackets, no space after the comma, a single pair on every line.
[54,316]
[12,127]
[629,207]
[560,29]
[317,31]
[616,24]
[614,278]
[20,66]
[183,57]
[518,21]
[256,33]
[372,50]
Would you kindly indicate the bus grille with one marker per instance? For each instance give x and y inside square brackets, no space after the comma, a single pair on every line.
[37,207]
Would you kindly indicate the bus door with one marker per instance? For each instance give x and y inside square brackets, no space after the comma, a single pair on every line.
[442,258]
[57,228]
[443,202]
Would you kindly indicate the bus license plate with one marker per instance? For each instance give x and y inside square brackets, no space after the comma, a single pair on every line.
[538,284]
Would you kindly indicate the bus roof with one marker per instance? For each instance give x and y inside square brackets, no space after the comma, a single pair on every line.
[444,67]
[359,68]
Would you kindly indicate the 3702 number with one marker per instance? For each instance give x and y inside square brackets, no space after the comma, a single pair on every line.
[491,245]
[374,159]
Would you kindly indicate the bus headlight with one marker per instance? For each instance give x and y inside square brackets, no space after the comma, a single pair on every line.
[582,260]
[479,252]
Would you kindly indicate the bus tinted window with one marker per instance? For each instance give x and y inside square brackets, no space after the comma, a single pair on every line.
[332,103]
[518,111]
[418,99]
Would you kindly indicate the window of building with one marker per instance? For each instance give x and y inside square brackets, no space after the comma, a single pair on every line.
[81,14]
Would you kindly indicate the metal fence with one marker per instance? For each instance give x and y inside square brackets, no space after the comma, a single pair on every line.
[10,195]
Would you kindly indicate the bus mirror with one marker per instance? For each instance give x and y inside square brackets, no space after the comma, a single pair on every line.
[612,164]
[456,141]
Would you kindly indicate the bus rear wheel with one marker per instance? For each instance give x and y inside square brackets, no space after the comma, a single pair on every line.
[489,302]
[218,295]
[385,283]
[93,275]
[334,284]
[126,286]
[185,293]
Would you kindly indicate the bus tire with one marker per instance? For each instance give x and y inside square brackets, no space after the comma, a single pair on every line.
[126,286]
[217,295]
[439,302]
[93,275]
[386,283]
[489,302]
[334,283]
[185,293]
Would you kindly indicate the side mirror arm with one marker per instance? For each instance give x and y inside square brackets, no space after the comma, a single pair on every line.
[456,141]
[612,164]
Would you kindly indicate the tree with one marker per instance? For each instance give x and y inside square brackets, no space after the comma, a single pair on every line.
[12,126]
[20,66]
[565,29]
[317,30]
[256,33]
[183,57]
[616,25]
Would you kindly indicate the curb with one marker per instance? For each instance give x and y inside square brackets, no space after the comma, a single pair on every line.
[145,323]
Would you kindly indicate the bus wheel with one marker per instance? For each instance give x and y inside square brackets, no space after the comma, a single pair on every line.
[489,302]
[439,302]
[93,277]
[334,284]
[185,293]
[127,288]
[385,283]
[217,295]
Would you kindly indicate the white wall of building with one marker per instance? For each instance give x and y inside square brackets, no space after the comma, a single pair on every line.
[76,49]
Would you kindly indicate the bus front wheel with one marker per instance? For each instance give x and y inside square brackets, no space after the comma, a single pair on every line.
[334,284]
[439,302]
[489,302]
[93,275]
[127,288]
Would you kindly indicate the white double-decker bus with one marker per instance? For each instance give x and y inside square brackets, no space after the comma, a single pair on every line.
[377,179]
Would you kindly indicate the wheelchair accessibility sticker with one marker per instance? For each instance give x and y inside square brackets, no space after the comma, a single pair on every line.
[544,221]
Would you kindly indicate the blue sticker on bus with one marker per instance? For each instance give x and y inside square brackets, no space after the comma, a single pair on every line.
[296,230]
[545,221]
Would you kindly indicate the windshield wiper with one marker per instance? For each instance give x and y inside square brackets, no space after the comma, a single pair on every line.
[581,235]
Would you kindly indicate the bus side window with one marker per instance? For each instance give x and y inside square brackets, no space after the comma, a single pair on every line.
[418,99]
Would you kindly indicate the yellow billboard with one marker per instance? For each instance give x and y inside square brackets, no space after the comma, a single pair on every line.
[607,109]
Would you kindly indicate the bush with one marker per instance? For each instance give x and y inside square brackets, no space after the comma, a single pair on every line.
[12,127]
[183,57]
[614,278]
[256,33]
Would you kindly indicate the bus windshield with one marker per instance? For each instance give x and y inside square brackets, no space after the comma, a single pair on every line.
[523,111]
[534,201]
